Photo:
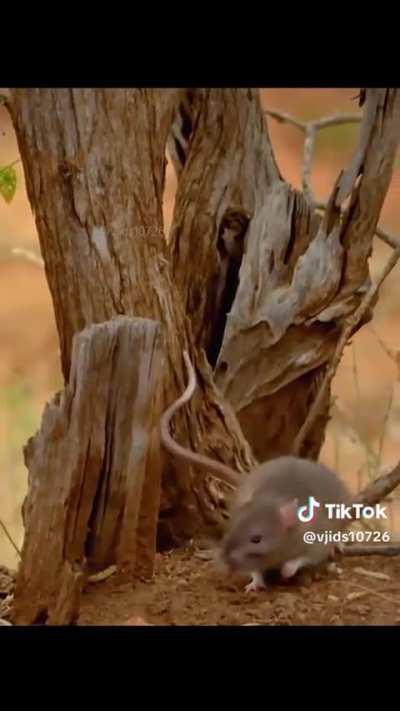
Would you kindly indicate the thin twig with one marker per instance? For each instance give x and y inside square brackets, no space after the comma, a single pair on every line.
[309,144]
[348,330]
[370,592]
[10,537]
[336,120]
[316,124]
[11,165]
[308,152]
[390,550]
[336,449]
[310,128]
[103,574]
[384,427]
[283,117]
[386,237]
[30,256]
[370,456]
[380,488]
[389,352]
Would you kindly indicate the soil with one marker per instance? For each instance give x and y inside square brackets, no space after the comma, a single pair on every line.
[187,590]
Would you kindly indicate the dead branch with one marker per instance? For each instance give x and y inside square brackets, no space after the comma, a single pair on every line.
[14,545]
[368,591]
[30,256]
[336,120]
[350,325]
[382,234]
[388,238]
[356,550]
[310,129]
[103,574]
[283,117]
[380,488]
[308,152]
[317,124]
[300,278]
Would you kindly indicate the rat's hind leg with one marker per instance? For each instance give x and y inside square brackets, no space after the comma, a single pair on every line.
[290,568]
[317,560]
[257,583]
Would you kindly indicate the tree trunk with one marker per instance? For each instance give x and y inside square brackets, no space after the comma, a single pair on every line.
[94,162]
[267,283]
[92,470]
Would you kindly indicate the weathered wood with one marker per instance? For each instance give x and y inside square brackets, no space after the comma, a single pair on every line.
[94,162]
[300,280]
[88,469]
[272,422]
[228,153]
[291,315]
[225,203]
[147,525]
[297,277]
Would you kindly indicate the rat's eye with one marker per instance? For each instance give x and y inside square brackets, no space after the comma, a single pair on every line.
[255,539]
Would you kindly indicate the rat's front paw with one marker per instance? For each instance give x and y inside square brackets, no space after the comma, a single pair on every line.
[257,583]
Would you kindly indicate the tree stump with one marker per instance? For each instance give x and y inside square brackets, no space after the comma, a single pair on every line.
[95,454]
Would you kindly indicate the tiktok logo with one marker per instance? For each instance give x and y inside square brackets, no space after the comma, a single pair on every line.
[306,513]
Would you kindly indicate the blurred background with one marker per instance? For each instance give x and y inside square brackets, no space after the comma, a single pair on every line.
[363,436]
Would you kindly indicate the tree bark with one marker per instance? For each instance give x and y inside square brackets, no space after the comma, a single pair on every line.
[94,162]
[268,284]
[91,470]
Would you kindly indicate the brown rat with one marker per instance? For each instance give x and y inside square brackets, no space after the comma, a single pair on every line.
[265,532]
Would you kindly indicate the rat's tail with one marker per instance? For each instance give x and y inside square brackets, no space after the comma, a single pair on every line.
[221,471]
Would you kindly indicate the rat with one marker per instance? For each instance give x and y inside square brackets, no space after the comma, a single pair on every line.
[265,532]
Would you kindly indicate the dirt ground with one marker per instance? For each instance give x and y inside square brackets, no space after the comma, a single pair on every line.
[187,590]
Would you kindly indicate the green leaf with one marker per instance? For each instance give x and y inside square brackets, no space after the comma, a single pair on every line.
[8,183]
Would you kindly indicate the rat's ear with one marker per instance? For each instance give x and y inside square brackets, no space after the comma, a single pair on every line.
[288,513]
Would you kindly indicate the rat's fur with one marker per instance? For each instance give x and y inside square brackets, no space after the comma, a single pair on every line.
[260,537]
